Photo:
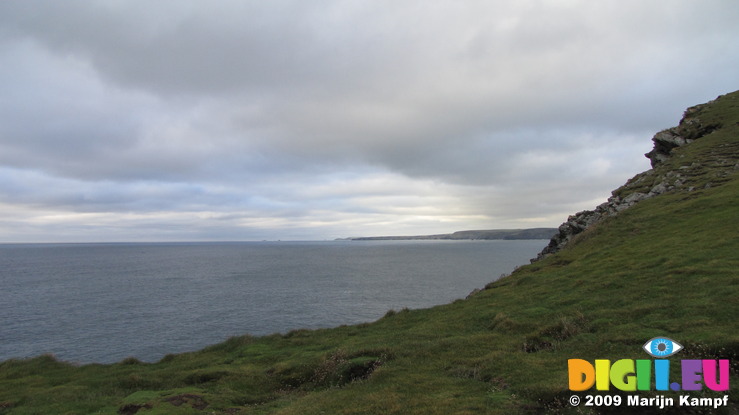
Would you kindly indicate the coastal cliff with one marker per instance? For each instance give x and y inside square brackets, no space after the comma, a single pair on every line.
[491,234]
[671,171]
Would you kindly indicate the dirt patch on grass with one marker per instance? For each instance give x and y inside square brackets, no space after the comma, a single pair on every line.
[195,401]
[133,408]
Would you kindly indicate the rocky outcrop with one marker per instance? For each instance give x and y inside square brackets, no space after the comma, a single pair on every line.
[690,129]
[580,221]
[664,142]
[648,184]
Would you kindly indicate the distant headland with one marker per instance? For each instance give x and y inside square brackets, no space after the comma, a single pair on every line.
[491,234]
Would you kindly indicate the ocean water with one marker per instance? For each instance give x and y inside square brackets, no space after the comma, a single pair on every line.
[102,303]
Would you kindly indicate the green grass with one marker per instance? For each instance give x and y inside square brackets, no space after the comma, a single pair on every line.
[666,267]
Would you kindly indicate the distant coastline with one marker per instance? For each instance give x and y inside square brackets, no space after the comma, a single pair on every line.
[491,234]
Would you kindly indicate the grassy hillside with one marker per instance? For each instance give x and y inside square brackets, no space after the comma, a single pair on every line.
[668,266]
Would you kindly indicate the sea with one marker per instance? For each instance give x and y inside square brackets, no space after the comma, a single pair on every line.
[101,303]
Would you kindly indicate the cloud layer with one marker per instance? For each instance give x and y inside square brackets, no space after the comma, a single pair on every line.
[177,120]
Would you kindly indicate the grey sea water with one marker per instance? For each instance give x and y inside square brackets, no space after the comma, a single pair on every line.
[104,302]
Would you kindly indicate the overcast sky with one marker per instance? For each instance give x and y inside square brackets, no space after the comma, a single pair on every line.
[303,120]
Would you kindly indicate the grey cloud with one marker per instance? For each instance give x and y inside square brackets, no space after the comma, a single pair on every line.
[183,47]
[300,114]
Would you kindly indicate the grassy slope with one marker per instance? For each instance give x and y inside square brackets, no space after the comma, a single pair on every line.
[665,267]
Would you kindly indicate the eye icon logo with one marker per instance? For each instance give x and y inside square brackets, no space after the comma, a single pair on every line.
[661,347]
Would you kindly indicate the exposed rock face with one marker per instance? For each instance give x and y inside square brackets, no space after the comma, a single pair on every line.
[689,129]
[643,186]
[580,221]
[664,142]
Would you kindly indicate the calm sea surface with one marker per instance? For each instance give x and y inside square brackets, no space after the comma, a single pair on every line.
[104,302]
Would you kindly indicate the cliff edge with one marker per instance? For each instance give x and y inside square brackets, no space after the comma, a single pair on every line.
[671,171]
